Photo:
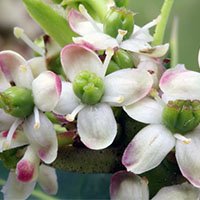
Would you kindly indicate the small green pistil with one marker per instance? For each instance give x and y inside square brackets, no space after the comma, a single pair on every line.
[17,101]
[88,87]
[182,116]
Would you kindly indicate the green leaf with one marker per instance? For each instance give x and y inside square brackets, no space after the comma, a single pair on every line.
[50,20]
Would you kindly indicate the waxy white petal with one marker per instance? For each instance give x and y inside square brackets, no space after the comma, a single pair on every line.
[46,90]
[4,83]
[188,157]
[184,191]
[179,83]
[147,110]
[6,120]
[76,58]
[37,65]
[97,41]
[199,58]
[68,100]
[155,52]
[126,185]
[16,68]
[134,45]
[43,139]
[97,127]
[148,148]
[48,179]
[80,24]
[14,189]
[131,84]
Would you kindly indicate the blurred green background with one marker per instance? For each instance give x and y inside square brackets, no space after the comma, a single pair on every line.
[79,186]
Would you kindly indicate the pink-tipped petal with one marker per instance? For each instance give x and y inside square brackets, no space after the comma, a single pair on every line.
[146,110]
[97,127]
[126,185]
[16,68]
[97,41]
[48,179]
[80,24]
[27,167]
[42,138]
[130,84]
[14,189]
[148,148]
[68,101]
[180,83]
[46,90]
[188,157]
[76,58]
[6,120]
[184,191]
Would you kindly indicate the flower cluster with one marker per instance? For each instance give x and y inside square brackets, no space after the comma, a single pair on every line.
[109,65]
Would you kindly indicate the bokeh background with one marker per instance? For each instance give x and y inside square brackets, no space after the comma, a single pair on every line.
[12,13]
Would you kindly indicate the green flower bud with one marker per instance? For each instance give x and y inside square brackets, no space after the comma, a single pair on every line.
[17,101]
[88,87]
[123,59]
[112,67]
[181,116]
[121,3]
[118,18]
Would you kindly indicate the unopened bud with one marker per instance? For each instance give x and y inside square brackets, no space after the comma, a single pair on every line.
[119,18]
[17,101]
[182,116]
[123,59]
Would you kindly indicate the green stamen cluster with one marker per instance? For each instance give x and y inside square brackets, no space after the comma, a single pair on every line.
[182,116]
[88,87]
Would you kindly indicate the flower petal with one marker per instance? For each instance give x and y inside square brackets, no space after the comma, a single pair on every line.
[80,24]
[130,84]
[43,139]
[155,52]
[173,86]
[126,185]
[148,148]
[188,157]
[37,65]
[16,68]
[4,83]
[146,110]
[178,192]
[6,120]
[48,179]
[27,168]
[199,58]
[97,41]
[97,126]
[14,189]
[68,101]
[134,45]
[87,60]
[46,90]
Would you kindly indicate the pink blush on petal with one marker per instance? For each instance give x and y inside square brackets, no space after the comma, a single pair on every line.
[25,171]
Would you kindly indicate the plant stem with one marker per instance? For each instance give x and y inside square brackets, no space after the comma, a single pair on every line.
[174,43]
[161,26]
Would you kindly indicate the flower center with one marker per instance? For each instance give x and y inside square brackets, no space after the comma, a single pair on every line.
[181,116]
[88,87]
[17,101]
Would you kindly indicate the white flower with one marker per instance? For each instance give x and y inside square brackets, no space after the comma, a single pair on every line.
[149,147]
[96,124]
